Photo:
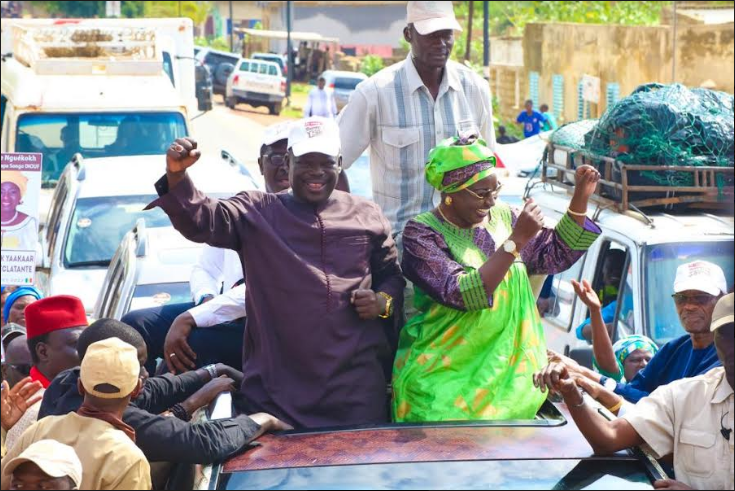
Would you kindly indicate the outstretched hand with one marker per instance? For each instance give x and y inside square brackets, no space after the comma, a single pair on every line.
[587,295]
[16,401]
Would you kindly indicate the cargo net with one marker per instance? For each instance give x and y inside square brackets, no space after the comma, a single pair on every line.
[661,125]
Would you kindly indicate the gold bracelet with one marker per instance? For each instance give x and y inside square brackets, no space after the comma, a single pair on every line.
[388,305]
[576,213]
[617,406]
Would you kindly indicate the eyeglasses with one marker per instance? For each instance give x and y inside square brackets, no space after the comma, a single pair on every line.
[22,369]
[276,159]
[702,299]
[495,193]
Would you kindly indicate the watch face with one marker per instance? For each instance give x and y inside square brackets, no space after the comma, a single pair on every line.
[610,384]
[509,246]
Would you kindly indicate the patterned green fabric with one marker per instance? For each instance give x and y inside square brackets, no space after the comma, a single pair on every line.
[475,364]
[576,237]
[448,156]
[622,349]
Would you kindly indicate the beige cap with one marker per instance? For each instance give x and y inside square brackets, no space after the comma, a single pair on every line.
[110,362]
[53,458]
[428,17]
[702,276]
[723,313]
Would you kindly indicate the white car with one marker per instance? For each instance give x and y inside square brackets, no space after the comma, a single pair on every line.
[151,268]
[342,84]
[258,83]
[96,202]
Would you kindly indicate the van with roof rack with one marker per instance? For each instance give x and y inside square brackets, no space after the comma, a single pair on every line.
[655,228]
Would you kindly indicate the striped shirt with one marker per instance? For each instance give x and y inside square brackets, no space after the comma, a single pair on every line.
[394,114]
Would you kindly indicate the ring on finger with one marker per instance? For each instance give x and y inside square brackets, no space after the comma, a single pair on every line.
[172,355]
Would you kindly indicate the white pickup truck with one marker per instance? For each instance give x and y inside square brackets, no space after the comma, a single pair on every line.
[258,83]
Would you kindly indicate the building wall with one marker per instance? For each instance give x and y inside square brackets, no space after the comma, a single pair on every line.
[626,56]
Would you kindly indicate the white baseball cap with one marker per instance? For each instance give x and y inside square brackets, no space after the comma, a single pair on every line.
[314,135]
[428,17]
[702,276]
[276,132]
[53,458]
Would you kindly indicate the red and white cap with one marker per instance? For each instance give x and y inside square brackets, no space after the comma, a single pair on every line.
[702,276]
[314,135]
[428,17]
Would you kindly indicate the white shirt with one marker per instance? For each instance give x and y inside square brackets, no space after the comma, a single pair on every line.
[217,270]
[685,418]
[395,115]
[320,103]
[223,308]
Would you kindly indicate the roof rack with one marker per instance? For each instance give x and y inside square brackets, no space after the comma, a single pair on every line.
[616,192]
[78,50]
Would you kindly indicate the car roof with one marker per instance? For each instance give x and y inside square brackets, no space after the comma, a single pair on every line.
[344,74]
[169,257]
[262,62]
[137,175]
[416,443]
[655,227]
[219,52]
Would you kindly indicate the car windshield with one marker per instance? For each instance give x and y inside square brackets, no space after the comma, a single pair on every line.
[99,224]
[346,83]
[498,474]
[157,295]
[660,266]
[59,136]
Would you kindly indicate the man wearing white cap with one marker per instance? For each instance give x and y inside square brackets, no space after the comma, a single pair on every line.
[110,377]
[212,326]
[405,110]
[46,464]
[690,418]
[322,276]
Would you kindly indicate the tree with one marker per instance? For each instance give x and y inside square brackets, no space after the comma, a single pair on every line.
[88,9]
[196,11]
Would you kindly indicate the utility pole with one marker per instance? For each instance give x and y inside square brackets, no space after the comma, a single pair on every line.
[232,30]
[486,29]
[468,50]
[673,46]
[289,49]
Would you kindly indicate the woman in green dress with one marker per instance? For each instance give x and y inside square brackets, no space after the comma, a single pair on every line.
[471,351]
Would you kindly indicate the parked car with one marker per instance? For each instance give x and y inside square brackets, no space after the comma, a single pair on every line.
[275,58]
[97,202]
[546,453]
[342,84]
[150,268]
[258,83]
[221,64]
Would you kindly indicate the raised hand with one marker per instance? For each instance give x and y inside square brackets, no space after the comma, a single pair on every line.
[182,154]
[15,402]
[586,179]
[585,293]
[529,223]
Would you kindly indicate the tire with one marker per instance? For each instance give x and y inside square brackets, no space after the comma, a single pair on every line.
[275,108]
[231,102]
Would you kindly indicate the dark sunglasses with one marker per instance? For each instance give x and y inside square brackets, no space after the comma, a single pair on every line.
[23,369]
[276,160]
[702,299]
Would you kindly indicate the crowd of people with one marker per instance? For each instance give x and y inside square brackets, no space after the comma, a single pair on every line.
[417,307]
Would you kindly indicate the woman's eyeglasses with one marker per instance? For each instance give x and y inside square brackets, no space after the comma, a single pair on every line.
[484,195]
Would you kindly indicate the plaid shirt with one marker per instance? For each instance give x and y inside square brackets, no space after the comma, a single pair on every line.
[394,114]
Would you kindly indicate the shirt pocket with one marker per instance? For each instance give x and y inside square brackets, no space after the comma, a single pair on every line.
[696,452]
[396,140]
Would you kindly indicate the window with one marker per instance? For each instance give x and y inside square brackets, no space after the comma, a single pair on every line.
[558,95]
[3,104]
[168,67]
[245,66]
[346,83]
[562,295]
[254,67]
[54,218]
[660,264]
[580,100]
[613,94]
[263,69]
[533,82]
[272,70]
[59,136]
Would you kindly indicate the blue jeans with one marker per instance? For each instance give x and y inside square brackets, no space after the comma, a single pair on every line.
[222,343]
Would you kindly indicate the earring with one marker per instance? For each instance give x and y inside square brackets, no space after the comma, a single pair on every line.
[448,201]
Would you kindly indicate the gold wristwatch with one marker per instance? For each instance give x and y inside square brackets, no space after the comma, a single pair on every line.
[511,248]
[388,305]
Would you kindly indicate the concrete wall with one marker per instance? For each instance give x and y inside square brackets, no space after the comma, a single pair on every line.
[628,56]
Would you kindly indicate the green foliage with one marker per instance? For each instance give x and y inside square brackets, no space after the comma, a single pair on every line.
[371,64]
[196,11]
[220,43]
[73,9]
